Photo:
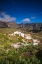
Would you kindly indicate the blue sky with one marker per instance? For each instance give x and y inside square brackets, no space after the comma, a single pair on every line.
[21,10]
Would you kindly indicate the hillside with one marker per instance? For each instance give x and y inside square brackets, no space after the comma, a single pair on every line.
[28,27]
[8,24]
[31,27]
[3,24]
[12,24]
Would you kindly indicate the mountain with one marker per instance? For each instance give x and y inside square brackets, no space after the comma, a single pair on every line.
[12,24]
[25,27]
[3,24]
[31,26]
[8,24]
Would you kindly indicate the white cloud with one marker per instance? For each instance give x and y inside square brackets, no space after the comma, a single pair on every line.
[26,20]
[6,17]
[33,17]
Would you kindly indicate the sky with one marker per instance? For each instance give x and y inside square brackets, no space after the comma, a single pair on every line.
[21,11]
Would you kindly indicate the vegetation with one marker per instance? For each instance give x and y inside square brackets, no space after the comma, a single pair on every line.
[7,30]
[25,55]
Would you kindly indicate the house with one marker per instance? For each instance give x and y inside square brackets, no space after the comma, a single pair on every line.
[17,33]
[17,45]
[22,34]
[28,36]
[36,41]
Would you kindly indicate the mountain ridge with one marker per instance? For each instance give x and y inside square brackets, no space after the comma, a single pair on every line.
[26,26]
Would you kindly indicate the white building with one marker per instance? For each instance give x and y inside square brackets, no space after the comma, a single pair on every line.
[18,33]
[22,34]
[17,45]
[28,36]
[35,42]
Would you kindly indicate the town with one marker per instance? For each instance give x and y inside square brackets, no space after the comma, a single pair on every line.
[26,39]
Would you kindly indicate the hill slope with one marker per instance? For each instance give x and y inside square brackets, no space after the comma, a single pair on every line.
[8,24]
[3,24]
[24,27]
[31,26]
